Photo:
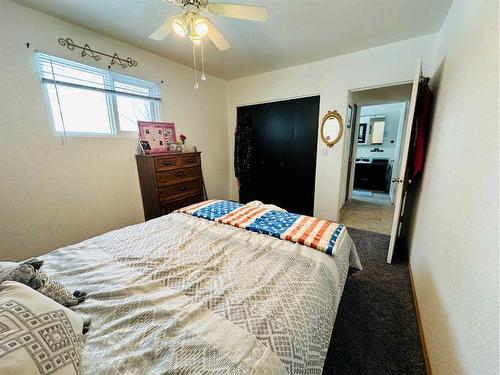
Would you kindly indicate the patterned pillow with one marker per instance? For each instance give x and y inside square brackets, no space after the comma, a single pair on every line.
[37,335]
[55,290]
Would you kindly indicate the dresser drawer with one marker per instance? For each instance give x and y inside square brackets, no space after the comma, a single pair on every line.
[165,163]
[179,203]
[176,176]
[190,160]
[176,191]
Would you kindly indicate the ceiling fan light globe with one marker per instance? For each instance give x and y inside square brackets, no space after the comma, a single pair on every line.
[179,27]
[201,27]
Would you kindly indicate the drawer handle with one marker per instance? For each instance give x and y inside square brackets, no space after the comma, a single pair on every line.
[182,188]
[167,163]
[190,160]
[180,174]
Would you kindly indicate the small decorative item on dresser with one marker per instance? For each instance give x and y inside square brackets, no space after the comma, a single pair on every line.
[183,139]
[174,148]
[169,182]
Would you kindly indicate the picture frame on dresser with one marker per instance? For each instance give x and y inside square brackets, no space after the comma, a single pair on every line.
[169,182]
[145,147]
[157,134]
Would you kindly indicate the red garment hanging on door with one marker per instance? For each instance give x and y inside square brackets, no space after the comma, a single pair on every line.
[422,128]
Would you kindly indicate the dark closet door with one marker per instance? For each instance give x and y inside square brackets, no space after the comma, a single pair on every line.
[284,159]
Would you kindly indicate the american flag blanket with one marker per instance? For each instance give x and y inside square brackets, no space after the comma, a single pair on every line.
[315,233]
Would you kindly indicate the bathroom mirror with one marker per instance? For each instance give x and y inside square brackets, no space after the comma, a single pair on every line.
[331,128]
[371,130]
[378,128]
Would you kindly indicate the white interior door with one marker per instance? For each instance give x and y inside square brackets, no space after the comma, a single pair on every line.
[400,179]
[397,153]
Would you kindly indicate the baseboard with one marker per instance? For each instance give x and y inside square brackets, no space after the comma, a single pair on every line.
[420,327]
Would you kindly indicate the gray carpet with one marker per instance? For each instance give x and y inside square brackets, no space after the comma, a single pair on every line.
[376,330]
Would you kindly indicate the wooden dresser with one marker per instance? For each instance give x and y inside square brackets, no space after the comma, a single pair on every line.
[169,182]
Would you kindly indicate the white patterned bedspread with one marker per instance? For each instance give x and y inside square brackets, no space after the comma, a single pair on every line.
[180,294]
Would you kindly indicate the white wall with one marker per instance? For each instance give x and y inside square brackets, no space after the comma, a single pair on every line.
[52,195]
[331,78]
[393,120]
[455,246]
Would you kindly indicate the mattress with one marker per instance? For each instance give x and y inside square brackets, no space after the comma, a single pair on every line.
[181,294]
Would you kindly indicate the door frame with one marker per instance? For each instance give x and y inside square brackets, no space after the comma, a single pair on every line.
[404,144]
[354,126]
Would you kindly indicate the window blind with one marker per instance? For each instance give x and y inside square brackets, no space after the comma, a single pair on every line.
[62,72]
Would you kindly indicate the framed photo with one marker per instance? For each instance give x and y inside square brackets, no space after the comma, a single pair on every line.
[362,134]
[349,117]
[145,147]
[157,134]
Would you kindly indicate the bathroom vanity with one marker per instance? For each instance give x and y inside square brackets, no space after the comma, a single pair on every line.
[372,174]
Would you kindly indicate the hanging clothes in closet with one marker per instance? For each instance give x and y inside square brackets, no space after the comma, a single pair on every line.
[243,154]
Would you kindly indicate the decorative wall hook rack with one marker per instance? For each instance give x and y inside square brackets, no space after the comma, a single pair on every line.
[97,55]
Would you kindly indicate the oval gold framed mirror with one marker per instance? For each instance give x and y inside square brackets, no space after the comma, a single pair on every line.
[332,128]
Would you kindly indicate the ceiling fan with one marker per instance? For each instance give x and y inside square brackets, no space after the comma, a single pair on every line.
[193,24]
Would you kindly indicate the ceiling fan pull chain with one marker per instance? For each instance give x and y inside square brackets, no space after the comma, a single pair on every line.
[203,76]
[194,66]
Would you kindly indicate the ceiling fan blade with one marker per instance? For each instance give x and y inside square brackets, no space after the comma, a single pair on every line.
[216,37]
[244,12]
[163,31]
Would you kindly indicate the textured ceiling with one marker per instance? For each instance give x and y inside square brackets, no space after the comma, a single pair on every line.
[297,31]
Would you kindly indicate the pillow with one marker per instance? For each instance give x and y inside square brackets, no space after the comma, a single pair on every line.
[55,290]
[37,335]
[268,206]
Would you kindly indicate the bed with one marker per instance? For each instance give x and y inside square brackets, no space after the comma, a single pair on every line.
[181,294]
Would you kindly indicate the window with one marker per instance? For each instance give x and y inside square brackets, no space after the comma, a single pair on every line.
[87,100]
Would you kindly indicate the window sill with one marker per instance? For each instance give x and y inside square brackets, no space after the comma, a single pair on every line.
[126,135]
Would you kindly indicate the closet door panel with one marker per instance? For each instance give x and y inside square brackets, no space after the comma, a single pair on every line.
[306,121]
[279,145]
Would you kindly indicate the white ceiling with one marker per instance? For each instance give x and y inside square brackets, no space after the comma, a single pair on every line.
[297,31]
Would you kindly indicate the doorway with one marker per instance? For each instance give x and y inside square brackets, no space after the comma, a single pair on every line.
[374,157]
